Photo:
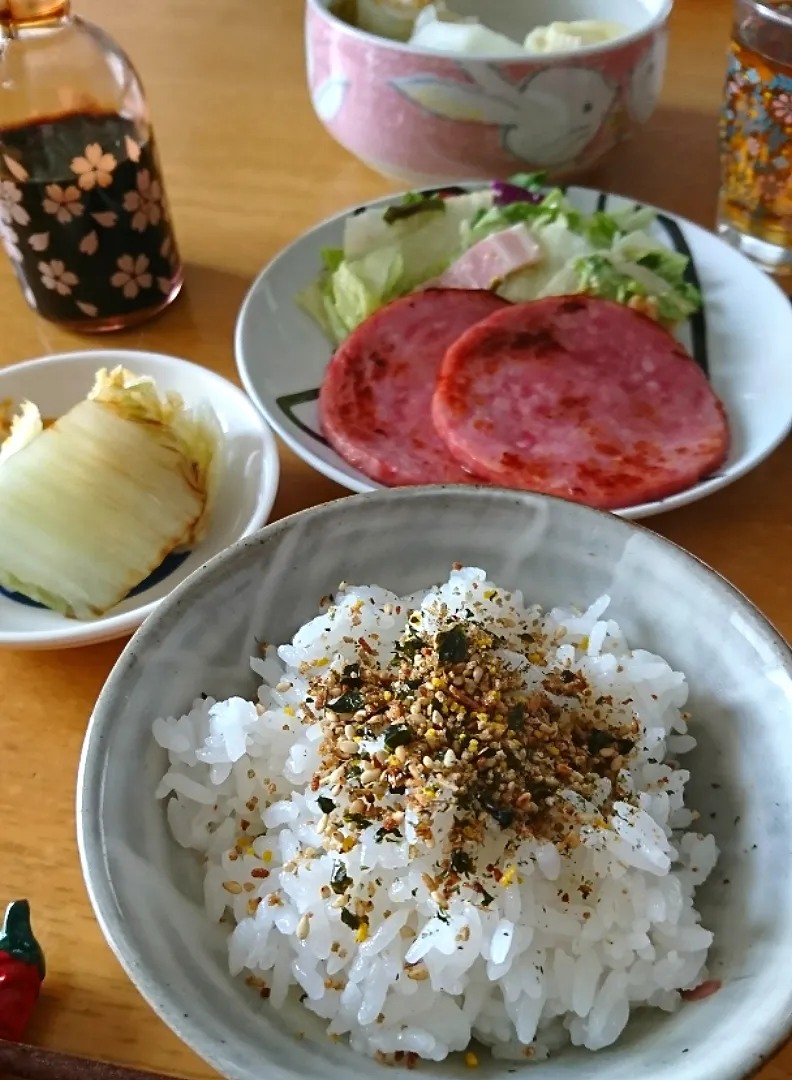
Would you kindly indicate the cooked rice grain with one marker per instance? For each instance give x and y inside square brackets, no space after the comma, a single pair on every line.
[567,944]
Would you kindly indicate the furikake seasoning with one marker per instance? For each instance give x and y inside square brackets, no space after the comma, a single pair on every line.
[470,719]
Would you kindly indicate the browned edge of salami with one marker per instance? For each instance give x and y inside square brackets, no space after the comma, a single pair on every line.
[288,403]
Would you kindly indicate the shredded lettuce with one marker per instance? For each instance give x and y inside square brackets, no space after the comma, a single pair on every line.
[362,286]
[315,300]
[389,253]
[532,182]
[554,207]
[346,295]
[601,229]
[601,275]
[597,276]
[412,207]
[552,275]
[332,258]
[633,218]
[424,237]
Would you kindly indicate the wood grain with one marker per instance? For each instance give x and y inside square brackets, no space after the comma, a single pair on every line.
[248,168]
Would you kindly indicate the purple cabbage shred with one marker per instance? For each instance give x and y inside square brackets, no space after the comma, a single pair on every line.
[506,194]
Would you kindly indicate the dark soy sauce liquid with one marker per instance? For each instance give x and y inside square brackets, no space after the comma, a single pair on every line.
[84,219]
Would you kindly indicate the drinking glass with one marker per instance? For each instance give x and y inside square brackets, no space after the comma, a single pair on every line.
[755,205]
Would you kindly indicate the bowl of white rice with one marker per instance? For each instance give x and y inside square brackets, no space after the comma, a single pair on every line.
[450,779]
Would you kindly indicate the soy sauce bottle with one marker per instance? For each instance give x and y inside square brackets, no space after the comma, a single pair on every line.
[83,213]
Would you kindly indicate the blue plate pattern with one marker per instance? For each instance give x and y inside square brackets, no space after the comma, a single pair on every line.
[169,565]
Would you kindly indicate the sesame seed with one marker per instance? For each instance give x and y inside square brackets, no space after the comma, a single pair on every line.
[417,972]
[508,876]
[303,928]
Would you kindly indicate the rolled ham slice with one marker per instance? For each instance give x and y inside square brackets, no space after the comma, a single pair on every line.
[492,260]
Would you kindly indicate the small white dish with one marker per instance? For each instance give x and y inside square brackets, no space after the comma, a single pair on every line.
[740,338]
[247,491]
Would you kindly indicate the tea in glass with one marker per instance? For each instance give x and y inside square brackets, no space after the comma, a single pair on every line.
[755,207]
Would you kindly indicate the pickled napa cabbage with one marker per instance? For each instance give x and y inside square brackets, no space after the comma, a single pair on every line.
[93,503]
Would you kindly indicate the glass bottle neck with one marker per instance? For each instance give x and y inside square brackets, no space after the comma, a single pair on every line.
[18,14]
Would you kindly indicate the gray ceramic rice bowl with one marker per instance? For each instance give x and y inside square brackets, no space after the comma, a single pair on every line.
[147,891]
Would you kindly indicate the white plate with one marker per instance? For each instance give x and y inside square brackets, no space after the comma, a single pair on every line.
[247,491]
[742,339]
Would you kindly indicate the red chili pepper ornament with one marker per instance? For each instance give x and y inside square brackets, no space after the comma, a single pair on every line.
[22,971]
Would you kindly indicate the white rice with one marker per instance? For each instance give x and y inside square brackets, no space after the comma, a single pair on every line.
[540,966]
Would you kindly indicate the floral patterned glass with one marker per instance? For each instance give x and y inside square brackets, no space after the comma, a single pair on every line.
[755,209]
[83,214]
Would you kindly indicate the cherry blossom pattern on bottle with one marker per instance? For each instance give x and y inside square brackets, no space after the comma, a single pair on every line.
[83,213]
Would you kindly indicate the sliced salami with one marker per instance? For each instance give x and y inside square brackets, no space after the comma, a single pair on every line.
[375,401]
[581,398]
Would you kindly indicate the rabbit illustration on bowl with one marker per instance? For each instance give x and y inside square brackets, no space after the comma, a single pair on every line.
[547,121]
[426,118]
[328,93]
[647,80]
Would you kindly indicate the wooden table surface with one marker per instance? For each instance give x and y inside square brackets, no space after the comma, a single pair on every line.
[248,169]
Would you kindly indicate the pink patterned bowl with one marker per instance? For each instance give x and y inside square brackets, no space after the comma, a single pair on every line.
[427,117]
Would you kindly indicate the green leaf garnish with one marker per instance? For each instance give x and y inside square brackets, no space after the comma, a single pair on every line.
[398,735]
[348,703]
[332,258]
[461,862]
[410,209]
[452,646]
[533,181]
[350,920]
[339,879]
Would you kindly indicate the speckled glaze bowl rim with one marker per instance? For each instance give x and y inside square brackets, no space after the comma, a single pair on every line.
[656,22]
[89,787]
